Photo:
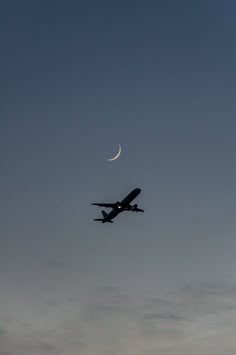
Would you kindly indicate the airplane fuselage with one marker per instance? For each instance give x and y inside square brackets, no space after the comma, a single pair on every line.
[112,214]
[130,197]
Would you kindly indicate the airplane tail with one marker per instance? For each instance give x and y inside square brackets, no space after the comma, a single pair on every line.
[104,214]
[103,220]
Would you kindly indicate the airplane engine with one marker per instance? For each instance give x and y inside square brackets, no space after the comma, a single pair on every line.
[134,207]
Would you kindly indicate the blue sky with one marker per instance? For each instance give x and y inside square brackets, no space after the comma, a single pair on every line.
[77,79]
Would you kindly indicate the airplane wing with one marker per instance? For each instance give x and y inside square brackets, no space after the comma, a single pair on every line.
[111,205]
[138,210]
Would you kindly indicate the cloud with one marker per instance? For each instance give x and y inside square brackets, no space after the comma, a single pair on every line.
[2,333]
[203,289]
[164,316]
[5,345]
[196,318]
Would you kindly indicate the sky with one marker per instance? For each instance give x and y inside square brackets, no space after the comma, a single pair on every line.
[78,78]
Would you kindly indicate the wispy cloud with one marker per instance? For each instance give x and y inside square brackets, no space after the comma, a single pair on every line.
[196,318]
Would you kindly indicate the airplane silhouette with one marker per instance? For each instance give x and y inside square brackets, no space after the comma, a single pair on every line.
[119,207]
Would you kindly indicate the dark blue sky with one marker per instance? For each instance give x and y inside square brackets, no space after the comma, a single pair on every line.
[77,79]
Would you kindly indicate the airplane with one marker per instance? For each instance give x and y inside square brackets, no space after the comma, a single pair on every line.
[119,207]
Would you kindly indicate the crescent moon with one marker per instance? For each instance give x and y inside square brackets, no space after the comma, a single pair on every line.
[117,155]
